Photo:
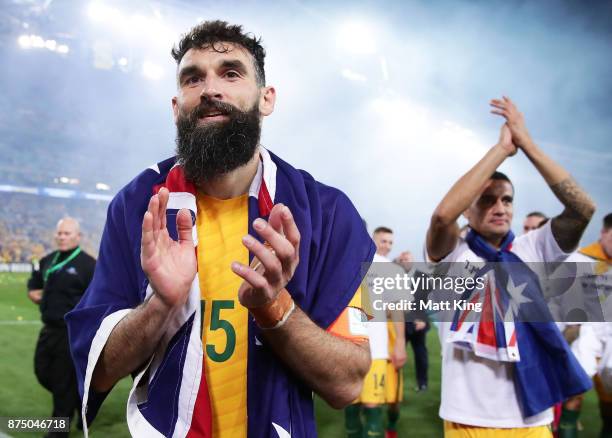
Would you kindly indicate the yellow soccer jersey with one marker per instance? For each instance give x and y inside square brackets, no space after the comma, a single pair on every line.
[221,224]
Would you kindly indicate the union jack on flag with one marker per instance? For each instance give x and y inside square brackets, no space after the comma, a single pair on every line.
[490,332]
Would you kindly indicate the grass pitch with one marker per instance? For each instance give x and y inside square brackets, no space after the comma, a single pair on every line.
[22,396]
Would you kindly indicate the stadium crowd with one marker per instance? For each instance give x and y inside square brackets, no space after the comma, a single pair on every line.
[27,224]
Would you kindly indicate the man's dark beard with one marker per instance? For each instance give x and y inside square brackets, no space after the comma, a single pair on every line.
[212,149]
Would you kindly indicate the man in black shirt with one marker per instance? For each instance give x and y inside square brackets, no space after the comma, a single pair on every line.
[417,324]
[57,285]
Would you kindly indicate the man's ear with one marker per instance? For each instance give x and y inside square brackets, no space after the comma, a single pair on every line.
[175,109]
[267,99]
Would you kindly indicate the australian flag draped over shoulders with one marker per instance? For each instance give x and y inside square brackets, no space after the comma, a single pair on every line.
[169,394]
[516,326]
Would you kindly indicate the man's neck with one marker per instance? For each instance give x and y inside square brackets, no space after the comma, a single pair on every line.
[234,183]
[68,251]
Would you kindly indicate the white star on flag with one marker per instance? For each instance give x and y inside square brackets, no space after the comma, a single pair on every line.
[516,296]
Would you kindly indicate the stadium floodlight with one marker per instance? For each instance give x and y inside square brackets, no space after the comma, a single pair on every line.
[24,41]
[67,180]
[356,37]
[102,186]
[51,45]
[152,71]
[37,41]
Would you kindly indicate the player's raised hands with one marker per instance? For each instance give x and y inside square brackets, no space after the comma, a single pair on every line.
[505,140]
[277,259]
[514,119]
[169,265]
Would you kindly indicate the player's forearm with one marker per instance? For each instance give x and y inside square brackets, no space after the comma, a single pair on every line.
[397,318]
[579,207]
[442,233]
[568,227]
[400,336]
[333,367]
[465,190]
[561,183]
[131,343]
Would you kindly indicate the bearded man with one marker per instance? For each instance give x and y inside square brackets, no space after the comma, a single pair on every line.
[227,280]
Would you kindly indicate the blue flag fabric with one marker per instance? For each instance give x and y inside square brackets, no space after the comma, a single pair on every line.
[334,244]
[325,281]
[547,372]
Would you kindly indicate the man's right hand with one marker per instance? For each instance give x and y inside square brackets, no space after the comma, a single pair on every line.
[35,295]
[169,265]
[419,325]
[514,120]
[505,140]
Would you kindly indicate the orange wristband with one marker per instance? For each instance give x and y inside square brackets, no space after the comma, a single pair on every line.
[274,314]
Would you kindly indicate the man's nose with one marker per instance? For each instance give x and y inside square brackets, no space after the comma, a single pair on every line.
[499,208]
[211,88]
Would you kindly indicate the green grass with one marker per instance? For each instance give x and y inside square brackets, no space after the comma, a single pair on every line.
[419,410]
[22,396]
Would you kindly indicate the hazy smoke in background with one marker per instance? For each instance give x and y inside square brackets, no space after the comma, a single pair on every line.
[387,100]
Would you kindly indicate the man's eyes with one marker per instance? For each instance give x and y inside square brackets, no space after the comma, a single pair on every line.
[192,80]
[195,80]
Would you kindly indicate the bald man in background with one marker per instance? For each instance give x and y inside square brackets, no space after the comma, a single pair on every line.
[56,285]
[533,221]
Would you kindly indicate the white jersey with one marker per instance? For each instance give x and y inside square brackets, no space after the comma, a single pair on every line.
[478,391]
[590,294]
[593,348]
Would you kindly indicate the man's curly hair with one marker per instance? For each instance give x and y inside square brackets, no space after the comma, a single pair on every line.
[209,34]
[607,221]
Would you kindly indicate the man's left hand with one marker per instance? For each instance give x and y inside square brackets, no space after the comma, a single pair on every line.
[515,121]
[278,261]
[399,356]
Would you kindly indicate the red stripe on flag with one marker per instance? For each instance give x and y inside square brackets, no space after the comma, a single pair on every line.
[513,339]
[466,313]
[176,182]
[201,421]
[264,200]
[486,328]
